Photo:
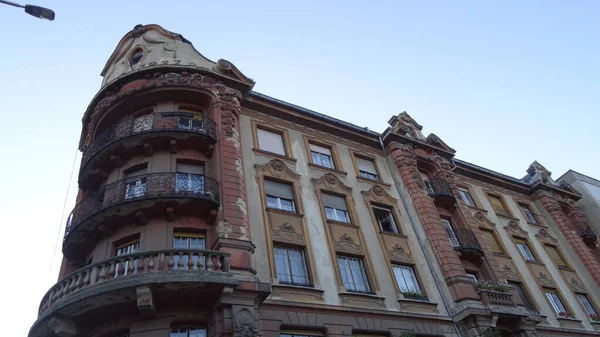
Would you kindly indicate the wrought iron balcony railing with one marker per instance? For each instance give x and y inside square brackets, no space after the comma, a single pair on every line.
[439,188]
[166,261]
[464,239]
[155,122]
[140,187]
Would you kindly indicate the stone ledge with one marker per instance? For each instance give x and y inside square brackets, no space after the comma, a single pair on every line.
[362,300]
[294,293]
[425,306]
[570,323]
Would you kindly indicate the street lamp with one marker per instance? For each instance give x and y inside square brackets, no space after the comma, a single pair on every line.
[37,11]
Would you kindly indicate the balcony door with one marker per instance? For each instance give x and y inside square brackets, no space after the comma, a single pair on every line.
[125,249]
[135,183]
[190,178]
[451,233]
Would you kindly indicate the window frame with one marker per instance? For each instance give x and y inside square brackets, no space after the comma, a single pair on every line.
[556,300]
[278,199]
[536,221]
[335,159]
[525,243]
[187,327]
[305,265]
[419,289]
[498,242]
[462,189]
[390,210]
[330,156]
[589,302]
[364,273]
[566,265]
[526,292]
[492,195]
[256,125]
[355,157]
[344,197]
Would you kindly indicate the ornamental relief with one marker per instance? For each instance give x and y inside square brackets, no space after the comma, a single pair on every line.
[331,182]
[546,238]
[514,229]
[286,228]
[483,221]
[276,168]
[379,195]
[397,248]
[346,240]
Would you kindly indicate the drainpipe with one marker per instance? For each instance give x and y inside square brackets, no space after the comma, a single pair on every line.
[419,238]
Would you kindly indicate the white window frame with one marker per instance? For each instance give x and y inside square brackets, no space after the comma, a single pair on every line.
[473,277]
[467,197]
[528,214]
[390,217]
[267,145]
[586,304]
[526,252]
[406,278]
[364,173]
[318,151]
[336,215]
[555,302]
[187,331]
[349,275]
[289,276]
[130,248]
[452,237]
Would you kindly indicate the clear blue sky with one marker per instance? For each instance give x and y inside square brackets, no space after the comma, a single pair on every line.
[503,82]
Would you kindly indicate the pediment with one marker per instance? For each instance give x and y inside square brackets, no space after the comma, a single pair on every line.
[436,141]
[277,169]
[514,229]
[545,237]
[483,221]
[379,195]
[331,182]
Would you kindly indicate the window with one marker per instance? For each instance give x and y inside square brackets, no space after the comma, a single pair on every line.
[189,178]
[528,214]
[353,274]
[280,196]
[366,168]
[498,205]
[518,288]
[473,277]
[270,141]
[587,305]
[428,185]
[300,334]
[556,257]
[555,301]
[191,120]
[466,196]
[451,234]
[187,332]
[126,248]
[406,279]
[291,265]
[492,242]
[321,156]
[525,250]
[143,123]
[135,183]
[385,218]
[335,208]
[188,241]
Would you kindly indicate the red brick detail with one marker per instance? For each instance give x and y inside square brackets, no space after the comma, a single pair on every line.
[585,254]
[449,261]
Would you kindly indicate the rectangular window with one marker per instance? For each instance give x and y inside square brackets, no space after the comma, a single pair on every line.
[280,196]
[587,305]
[528,214]
[335,207]
[406,279]
[189,178]
[182,240]
[555,301]
[556,257]
[451,234]
[187,332]
[428,185]
[385,218]
[126,248]
[466,196]
[473,277]
[291,265]
[270,141]
[321,156]
[492,242]
[366,168]
[498,205]
[353,274]
[135,183]
[518,288]
[525,250]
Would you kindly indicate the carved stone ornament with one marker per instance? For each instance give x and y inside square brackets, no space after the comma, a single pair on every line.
[509,273]
[330,178]
[275,168]
[545,237]
[245,324]
[398,253]
[514,229]
[379,195]
[287,233]
[483,221]
[331,182]
[575,285]
[347,244]
[545,280]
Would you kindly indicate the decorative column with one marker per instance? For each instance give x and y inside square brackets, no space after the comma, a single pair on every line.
[552,206]
[232,224]
[459,284]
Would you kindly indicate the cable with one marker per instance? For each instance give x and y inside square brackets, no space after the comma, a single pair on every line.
[62,216]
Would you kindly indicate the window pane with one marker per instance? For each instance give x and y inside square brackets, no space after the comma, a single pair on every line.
[492,242]
[334,201]
[587,305]
[342,216]
[410,279]
[278,189]
[287,205]
[527,254]
[466,196]
[345,272]
[385,220]
[528,214]
[270,141]
[498,205]
[282,265]
[400,278]
[358,274]
[299,273]
[366,166]
[451,235]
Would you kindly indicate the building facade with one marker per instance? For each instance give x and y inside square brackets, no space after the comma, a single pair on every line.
[208,209]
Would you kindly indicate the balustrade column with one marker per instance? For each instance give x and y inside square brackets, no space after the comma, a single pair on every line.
[552,206]
[232,224]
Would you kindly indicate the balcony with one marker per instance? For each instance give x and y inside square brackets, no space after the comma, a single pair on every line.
[496,298]
[586,233]
[191,276]
[440,191]
[135,198]
[465,242]
[144,134]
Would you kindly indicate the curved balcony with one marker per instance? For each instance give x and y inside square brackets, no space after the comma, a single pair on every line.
[586,233]
[134,198]
[440,190]
[465,242]
[130,136]
[197,273]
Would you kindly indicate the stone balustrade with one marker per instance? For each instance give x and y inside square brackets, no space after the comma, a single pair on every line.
[489,297]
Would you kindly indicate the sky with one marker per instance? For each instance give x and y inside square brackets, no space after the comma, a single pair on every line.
[502,82]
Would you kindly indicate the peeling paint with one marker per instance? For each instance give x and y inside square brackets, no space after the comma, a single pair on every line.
[241,203]
[223,228]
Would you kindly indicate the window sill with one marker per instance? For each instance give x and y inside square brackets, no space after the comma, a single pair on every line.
[274,155]
[394,234]
[363,300]
[296,293]
[537,224]
[280,211]
[418,306]
[508,217]
[372,181]
[477,209]
[501,254]
[349,224]
[566,269]
[535,262]
[327,169]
